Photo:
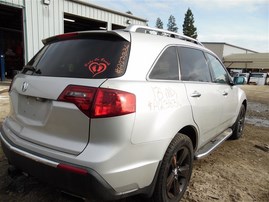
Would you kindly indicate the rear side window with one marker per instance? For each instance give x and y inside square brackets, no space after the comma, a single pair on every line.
[166,67]
[96,57]
[193,65]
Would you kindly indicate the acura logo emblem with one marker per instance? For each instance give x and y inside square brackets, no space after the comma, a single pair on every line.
[24,86]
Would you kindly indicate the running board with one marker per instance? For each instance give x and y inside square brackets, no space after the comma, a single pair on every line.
[213,144]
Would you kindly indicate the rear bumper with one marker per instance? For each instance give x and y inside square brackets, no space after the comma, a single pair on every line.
[84,185]
[46,169]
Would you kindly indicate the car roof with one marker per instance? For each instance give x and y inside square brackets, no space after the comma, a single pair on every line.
[148,46]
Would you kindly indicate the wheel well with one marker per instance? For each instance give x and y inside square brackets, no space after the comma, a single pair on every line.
[190,131]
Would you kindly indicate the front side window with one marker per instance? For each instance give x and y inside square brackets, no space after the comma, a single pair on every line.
[89,57]
[219,73]
[193,65]
[166,67]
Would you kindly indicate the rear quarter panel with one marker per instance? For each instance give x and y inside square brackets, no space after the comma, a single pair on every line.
[162,109]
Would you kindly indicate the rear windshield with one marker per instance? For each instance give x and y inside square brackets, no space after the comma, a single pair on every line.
[97,57]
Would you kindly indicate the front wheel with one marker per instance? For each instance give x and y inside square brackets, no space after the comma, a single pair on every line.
[175,171]
[239,124]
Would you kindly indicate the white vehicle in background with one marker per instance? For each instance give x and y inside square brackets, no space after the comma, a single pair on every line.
[122,112]
[258,78]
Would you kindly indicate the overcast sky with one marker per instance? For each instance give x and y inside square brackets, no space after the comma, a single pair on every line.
[243,23]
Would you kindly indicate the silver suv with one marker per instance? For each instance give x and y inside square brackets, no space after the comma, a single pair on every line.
[118,113]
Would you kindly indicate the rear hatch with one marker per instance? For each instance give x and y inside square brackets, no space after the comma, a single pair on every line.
[51,99]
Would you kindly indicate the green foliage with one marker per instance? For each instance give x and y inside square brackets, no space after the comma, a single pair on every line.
[172,26]
[188,26]
[159,23]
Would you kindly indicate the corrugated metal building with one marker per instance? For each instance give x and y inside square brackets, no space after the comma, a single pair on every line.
[242,60]
[251,61]
[24,23]
[235,57]
[224,49]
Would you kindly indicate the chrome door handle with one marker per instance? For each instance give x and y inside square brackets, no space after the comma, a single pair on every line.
[196,94]
[224,93]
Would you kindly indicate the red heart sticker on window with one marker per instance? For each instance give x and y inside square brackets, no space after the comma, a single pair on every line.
[97,68]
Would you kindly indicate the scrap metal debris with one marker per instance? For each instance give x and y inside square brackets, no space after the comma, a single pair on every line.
[265,147]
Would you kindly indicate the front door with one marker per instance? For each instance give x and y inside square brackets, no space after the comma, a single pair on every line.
[204,96]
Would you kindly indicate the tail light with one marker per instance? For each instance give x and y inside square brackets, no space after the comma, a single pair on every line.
[99,102]
[111,102]
[72,169]
[81,96]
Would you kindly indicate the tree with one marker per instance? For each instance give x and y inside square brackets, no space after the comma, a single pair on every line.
[159,23]
[188,26]
[172,26]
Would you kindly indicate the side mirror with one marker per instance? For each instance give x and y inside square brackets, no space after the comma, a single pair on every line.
[239,80]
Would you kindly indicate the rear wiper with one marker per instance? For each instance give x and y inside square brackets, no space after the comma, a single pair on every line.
[27,68]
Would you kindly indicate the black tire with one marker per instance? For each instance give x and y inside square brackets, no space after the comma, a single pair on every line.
[175,171]
[239,124]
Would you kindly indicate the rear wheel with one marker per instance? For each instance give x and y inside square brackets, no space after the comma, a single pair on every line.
[176,169]
[239,124]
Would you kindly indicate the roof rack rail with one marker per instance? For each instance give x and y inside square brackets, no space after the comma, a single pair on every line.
[162,32]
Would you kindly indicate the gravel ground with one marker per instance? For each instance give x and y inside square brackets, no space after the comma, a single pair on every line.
[237,171]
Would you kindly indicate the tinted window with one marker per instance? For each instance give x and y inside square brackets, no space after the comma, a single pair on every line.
[166,67]
[193,65]
[219,73]
[98,57]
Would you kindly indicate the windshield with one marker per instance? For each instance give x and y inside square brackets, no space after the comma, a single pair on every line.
[95,57]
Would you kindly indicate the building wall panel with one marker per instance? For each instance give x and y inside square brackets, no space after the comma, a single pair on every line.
[40,29]
[228,50]
[16,3]
[56,15]
[42,21]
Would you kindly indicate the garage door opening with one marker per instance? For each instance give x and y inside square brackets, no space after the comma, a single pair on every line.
[114,26]
[74,23]
[11,41]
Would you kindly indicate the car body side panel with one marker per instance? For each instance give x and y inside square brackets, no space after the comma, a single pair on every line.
[142,57]
[162,109]
[230,104]
[206,109]
[241,97]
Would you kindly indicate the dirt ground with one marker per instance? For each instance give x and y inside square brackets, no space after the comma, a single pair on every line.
[237,171]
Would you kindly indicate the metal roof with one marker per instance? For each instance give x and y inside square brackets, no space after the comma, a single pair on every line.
[249,61]
[227,44]
[109,10]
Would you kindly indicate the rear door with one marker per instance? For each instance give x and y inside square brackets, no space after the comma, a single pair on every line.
[205,98]
[71,65]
